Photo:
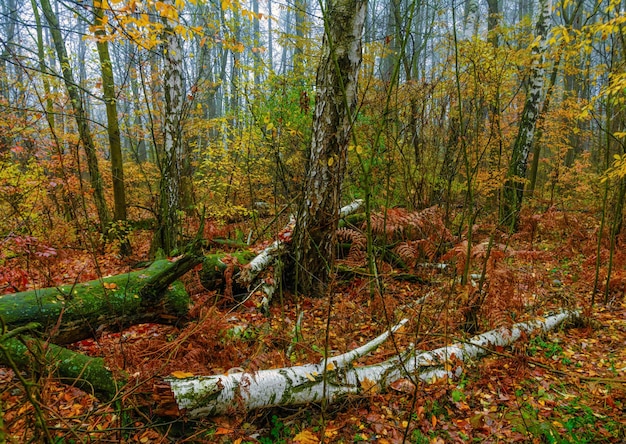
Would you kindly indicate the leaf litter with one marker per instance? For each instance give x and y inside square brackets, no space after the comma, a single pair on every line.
[565,386]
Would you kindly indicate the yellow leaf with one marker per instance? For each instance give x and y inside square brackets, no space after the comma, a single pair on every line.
[369,386]
[109,285]
[181,375]
[330,367]
[306,437]
[310,377]
[270,126]
[359,149]
[433,421]
[331,160]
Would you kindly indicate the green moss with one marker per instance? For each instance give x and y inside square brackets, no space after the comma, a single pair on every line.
[116,295]
[87,373]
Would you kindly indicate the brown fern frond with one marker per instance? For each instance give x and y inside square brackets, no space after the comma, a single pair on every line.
[399,223]
[358,244]
[457,255]
[406,251]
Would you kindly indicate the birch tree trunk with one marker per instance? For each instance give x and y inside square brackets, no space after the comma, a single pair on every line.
[169,163]
[315,234]
[80,115]
[513,192]
[334,377]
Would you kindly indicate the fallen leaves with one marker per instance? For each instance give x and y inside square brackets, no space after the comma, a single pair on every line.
[306,437]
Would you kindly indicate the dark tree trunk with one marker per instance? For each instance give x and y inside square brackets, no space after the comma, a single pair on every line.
[79,113]
[113,130]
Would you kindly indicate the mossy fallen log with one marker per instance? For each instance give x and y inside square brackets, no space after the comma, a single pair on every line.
[70,313]
[214,266]
[89,374]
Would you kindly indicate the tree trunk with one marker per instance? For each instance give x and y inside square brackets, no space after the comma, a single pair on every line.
[333,377]
[513,192]
[167,235]
[569,19]
[73,312]
[43,68]
[80,115]
[335,105]
[113,129]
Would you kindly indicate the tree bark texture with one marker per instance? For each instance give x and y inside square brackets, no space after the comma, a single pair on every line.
[336,86]
[74,312]
[80,115]
[336,376]
[170,161]
[513,192]
[113,128]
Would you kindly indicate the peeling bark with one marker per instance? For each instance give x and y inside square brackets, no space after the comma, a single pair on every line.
[335,376]
[335,105]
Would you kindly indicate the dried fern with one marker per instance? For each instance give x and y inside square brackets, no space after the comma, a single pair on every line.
[358,244]
[399,223]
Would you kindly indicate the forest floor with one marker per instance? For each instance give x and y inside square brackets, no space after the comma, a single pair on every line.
[567,386]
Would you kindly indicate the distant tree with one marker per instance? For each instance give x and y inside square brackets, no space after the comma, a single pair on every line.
[113,127]
[334,116]
[80,115]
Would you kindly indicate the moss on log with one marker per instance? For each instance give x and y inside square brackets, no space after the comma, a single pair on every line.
[73,312]
[87,373]
[213,267]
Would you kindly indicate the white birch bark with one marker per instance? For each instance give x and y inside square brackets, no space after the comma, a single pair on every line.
[334,114]
[514,186]
[170,161]
[265,258]
[337,376]
[270,255]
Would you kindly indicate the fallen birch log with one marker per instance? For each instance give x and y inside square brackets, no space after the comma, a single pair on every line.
[271,254]
[277,248]
[333,377]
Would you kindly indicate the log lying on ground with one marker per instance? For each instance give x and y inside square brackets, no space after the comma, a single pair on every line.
[87,373]
[214,266]
[210,395]
[73,312]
